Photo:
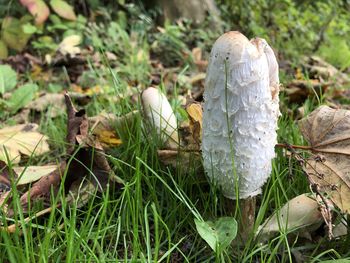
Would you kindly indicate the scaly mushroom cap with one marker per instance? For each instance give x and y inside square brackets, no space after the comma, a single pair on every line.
[240,113]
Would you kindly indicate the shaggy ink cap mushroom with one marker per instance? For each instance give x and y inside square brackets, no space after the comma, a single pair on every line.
[240,114]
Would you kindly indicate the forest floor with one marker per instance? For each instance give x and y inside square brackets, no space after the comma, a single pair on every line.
[83,179]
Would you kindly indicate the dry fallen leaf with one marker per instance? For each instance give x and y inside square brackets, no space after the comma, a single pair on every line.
[86,161]
[22,139]
[31,174]
[69,45]
[300,213]
[328,132]
[110,138]
[54,101]
[195,113]
[105,125]
[198,60]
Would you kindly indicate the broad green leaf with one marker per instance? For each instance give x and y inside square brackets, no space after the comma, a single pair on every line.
[3,50]
[8,78]
[29,28]
[13,35]
[218,234]
[63,9]
[38,9]
[22,96]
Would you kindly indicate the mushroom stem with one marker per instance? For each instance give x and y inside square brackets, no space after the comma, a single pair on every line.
[244,213]
[247,219]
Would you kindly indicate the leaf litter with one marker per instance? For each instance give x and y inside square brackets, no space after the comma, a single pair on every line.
[327,131]
[82,172]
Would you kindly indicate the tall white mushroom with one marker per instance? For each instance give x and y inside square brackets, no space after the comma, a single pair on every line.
[240,116]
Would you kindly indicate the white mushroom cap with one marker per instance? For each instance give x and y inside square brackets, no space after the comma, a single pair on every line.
[240,113]
[159,113]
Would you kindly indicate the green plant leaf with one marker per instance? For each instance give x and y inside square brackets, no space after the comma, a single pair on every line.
[3,50]
[8,78]
[63,9]
[22,96]
[29,28]
[38,9]
[218,234]
[12,33]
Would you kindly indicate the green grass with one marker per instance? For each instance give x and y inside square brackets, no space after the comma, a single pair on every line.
[151,217]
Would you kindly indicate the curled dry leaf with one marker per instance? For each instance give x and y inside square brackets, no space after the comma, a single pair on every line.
[195,114]
[301,213]
[328,133]
[90,153]
[22,139]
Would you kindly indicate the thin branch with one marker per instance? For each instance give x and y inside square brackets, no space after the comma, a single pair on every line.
[289,146]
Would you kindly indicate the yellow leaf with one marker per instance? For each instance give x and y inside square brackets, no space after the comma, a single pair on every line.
[109,137]
[195,114]
[22,139]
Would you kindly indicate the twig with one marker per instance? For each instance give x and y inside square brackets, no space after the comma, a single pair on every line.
[291,146]
[170,149]
[12,228]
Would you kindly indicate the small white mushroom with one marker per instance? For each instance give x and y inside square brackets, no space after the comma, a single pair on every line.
[159,114]
[240,114]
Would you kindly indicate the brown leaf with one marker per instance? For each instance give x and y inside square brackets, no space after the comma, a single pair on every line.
[43,186]
[328,133]
[77,124]
[4,177]
[197,59]
[195,114]
[53,100]
[177,157]
[83,160]
[90,155]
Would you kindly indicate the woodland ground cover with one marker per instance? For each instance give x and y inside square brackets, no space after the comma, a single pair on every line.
[104,55]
